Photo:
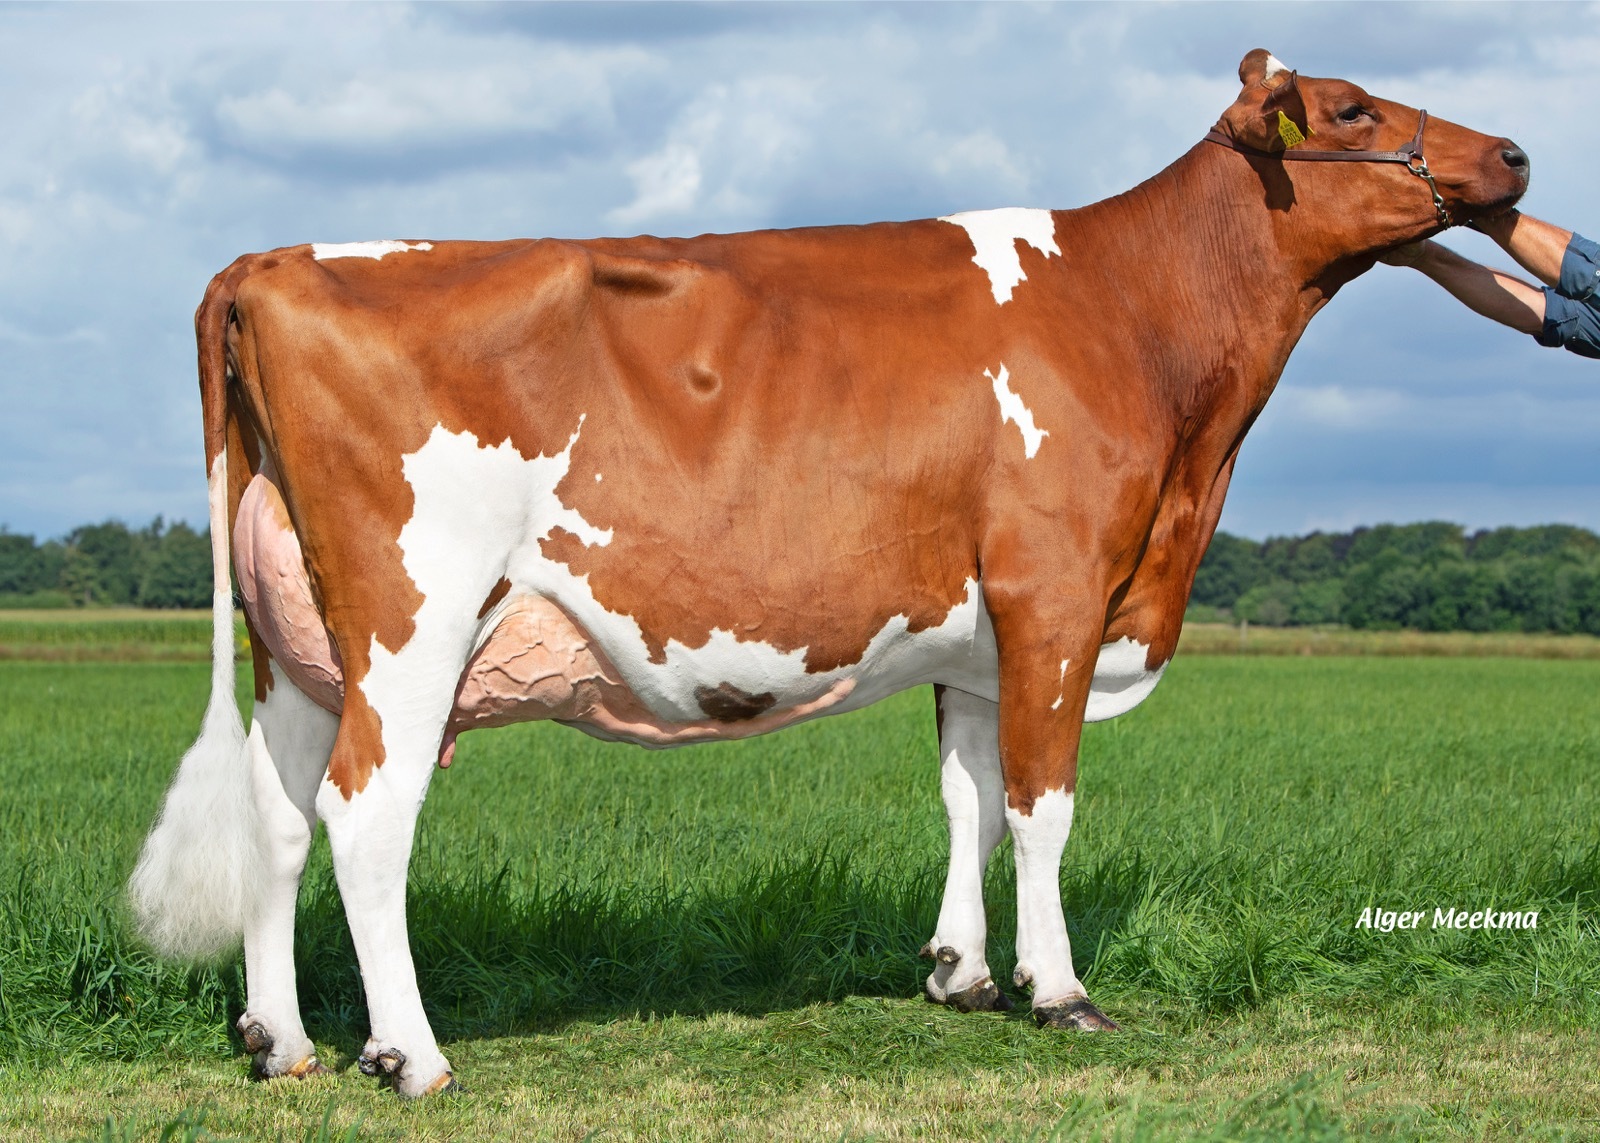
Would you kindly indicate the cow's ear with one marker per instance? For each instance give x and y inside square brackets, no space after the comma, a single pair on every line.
[1270,113]
[1260,66]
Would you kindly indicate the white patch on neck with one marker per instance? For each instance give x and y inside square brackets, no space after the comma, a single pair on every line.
[995,234]
[1274,66]
[1012,409]
[322,251]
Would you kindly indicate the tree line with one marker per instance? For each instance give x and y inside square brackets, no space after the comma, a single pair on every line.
[1427,577]
[109,564]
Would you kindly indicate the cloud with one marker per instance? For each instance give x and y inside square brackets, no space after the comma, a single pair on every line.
[729,149]
[1338,407]
[467,111]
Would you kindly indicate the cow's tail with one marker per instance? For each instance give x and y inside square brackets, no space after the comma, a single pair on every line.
[198,877]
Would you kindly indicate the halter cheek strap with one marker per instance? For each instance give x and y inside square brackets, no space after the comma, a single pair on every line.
[1410,155]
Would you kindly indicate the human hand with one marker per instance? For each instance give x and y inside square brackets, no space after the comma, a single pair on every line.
[1498,227]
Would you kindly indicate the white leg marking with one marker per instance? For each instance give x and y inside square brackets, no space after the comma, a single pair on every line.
[291,738]
[1012,409]
[1044,955]
[995,234]
[322,251]
[974,800]
[371,836]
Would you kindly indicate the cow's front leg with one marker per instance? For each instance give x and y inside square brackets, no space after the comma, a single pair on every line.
[369,802]
[974,801]
[1045,673]
[291,738]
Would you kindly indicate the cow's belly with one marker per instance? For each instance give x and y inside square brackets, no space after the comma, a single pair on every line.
[533,660]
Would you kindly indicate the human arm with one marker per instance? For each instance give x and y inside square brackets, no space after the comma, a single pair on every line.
[1538,246]
[1494,294]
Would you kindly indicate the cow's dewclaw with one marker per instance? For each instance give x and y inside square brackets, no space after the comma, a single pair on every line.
[386,1062]
[256,1038]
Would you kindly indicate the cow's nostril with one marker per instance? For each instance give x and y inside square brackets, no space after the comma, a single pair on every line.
[1515,157]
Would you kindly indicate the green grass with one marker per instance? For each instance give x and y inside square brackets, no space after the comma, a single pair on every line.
[108,635]
[720,941]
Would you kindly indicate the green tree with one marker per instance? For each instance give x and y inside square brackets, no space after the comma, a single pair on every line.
[176,569]
[1230,568]
[110,548]
[21,569]
[80,576]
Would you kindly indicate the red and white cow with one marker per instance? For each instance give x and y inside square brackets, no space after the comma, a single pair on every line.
[668,491]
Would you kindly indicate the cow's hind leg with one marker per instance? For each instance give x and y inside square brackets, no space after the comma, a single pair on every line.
[291,738]
[974,801]
[369,802]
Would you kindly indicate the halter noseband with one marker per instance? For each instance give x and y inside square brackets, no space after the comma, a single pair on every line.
[1410,155]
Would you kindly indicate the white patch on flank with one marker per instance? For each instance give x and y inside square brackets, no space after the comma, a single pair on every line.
[1274,66]
[473,506]
[1121,679]
[322,251]
[597,478]
[481,512]
[1062,692]
[1044,955]
[995,234]
[1012,409]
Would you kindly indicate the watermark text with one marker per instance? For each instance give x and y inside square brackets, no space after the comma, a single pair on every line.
[1388,920]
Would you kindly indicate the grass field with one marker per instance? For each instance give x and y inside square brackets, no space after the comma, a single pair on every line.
[720,942]
[132,635]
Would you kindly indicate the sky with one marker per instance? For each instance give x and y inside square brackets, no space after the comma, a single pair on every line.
[146,146]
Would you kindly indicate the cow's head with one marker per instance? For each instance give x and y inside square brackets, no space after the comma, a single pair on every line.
[1364,207]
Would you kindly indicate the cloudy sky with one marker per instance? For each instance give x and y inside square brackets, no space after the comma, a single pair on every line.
[147,145]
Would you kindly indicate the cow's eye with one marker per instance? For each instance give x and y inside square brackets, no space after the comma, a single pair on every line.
[1352,113]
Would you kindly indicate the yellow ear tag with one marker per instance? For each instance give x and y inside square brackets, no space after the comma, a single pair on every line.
[1288,132]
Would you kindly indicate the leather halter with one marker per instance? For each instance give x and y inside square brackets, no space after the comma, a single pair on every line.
[1410,155]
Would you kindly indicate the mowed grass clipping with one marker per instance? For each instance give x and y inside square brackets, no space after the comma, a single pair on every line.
[720,941]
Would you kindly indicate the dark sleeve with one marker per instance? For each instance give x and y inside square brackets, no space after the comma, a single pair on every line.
[1572,308]
[1580,271]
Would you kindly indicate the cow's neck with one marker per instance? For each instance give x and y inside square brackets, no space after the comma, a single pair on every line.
[1236,283]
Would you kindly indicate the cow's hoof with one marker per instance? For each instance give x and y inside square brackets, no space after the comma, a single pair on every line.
[982,996]
[445,1085]
[407,1080]
[1074,1012]
[270,1064]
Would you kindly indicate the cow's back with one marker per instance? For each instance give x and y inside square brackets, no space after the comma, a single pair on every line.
[746,467]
